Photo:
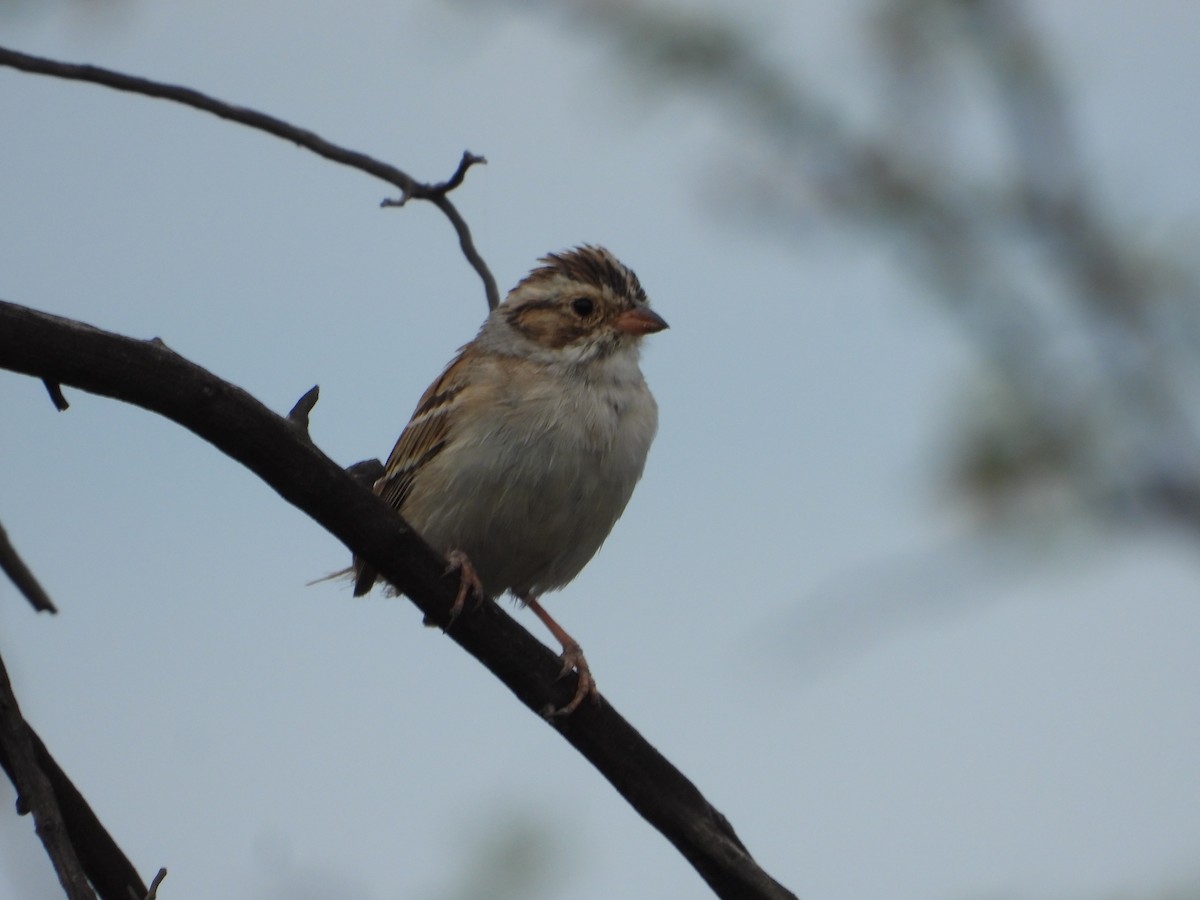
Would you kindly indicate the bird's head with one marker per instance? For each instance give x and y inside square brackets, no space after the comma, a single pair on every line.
[579,305]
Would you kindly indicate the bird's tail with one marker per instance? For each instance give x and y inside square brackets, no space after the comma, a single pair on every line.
[340,575]
[364,574]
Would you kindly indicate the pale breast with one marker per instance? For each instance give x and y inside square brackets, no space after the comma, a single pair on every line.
[532,487]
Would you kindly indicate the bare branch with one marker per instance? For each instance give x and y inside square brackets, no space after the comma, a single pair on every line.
[110,872]
[154,377]
[438,199]
[468,159]
[108,869]
[36,795]
[14,567]
[409,187]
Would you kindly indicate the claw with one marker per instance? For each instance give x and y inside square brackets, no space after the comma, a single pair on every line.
[573,660]
[468,583]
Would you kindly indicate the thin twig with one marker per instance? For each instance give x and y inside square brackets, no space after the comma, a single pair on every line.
[468,247]
[56,396]
[152,894]
[14,567]
[409,187]
[299,414]
[468,159]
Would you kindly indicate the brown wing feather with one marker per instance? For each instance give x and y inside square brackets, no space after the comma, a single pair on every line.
[422,439]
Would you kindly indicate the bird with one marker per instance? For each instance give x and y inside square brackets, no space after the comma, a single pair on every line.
[522,455]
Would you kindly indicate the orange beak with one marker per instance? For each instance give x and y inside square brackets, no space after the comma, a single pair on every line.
[639,321]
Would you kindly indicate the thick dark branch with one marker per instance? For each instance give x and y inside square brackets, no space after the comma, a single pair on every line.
[14,567]
[409,187]
[35,795]
[27,762]
[150,375]
[111,873]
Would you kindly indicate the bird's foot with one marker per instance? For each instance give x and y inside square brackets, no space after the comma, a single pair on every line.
[468,583]
[573,660]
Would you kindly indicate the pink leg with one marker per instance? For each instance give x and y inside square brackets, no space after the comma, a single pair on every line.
[572,658]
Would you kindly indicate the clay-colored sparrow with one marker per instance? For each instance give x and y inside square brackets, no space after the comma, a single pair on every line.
[521,457]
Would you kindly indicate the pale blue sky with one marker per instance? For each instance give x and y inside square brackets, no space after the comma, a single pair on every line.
[1032,734]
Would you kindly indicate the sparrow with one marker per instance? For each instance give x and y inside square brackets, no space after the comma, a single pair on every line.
[522,455]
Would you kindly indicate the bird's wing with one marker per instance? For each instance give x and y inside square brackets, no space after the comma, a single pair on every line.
[425,435]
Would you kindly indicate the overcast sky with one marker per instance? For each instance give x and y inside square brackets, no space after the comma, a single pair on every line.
[885,706]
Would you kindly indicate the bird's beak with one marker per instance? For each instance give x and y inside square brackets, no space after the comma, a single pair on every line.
[639,321]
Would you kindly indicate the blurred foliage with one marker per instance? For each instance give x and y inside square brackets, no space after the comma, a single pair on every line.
[1087,337]
[512,856]
[84,15]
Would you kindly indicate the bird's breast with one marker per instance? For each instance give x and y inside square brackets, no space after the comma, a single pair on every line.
[533,487]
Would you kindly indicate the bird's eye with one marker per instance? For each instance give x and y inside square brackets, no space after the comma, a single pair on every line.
[582,306]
